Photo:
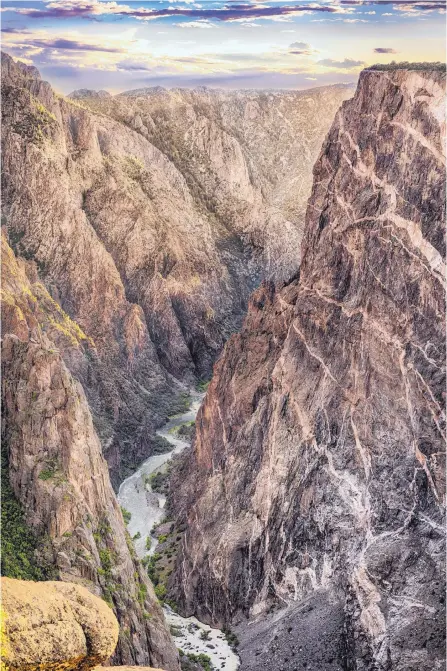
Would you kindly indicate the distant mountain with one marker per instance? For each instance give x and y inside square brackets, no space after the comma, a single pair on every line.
[80,94]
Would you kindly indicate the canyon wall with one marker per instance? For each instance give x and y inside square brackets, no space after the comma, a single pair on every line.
[314,492]
[58,473]
[150,223]
[247,156]
[51,155]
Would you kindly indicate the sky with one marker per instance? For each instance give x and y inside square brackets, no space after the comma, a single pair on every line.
[273,44]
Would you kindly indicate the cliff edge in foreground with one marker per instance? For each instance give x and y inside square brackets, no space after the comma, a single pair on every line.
[54,625]
[317,477]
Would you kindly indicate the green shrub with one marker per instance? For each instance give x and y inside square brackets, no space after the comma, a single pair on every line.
[406,65]
[142,592]
[159,482]
[46,474]
[160,445]
[160,592]
[172,605]
[200,658]
[19,543]
[203,385]
[231,638]
[105,557]
[127,516]
[52,470]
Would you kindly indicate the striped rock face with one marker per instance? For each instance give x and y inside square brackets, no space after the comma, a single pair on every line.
[317,477]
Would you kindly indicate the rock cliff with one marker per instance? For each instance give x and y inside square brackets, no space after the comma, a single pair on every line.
[55,626]
[151,218]
[58,473]
[51,155]
[314,492]
[246,156]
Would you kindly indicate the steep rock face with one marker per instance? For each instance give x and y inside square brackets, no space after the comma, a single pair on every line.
[58,473]
[317,476]
[247,156]
[51,154]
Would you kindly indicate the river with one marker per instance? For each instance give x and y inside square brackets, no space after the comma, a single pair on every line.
[147,509]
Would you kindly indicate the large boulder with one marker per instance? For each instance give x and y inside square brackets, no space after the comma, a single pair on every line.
[55,625]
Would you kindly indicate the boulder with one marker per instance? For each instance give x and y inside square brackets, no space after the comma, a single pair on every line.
[55,625]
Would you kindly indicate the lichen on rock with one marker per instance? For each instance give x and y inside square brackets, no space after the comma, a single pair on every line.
[55,626]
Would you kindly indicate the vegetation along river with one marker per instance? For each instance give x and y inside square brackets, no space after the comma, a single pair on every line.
[146,508]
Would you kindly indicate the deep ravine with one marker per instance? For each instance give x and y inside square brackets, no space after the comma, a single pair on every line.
[147,509]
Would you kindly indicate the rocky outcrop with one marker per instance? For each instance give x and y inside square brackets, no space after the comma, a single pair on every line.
[51,155]
[316,481]
[81,94]
[54,626]
[57,470]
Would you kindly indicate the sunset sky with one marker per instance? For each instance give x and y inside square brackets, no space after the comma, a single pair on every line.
[232,44]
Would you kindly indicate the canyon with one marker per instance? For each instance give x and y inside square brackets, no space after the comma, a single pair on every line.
[121,280]
[68,524]
[130,240]
[289,246]
[313,498]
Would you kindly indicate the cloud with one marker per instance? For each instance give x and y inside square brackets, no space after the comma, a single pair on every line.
[15,31]
[299,45]
[419,7]
[385,50]
[402,5]
[134,66]
[66,44]
[202,23]
[302,49]
[241,57]
[347,64]
[93,8]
